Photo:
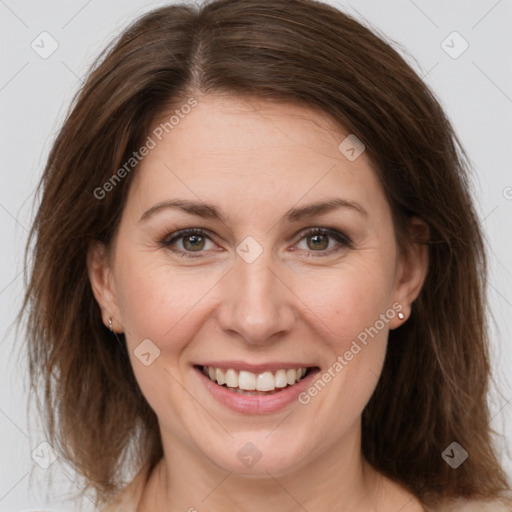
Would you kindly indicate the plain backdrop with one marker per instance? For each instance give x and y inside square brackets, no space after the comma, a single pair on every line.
[470,73]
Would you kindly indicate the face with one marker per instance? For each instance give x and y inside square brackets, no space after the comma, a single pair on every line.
[292,263]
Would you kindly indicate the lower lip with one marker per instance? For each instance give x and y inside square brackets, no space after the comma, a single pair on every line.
[256,404]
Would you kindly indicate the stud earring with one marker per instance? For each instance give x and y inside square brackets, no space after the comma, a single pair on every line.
[401,316]
[110,324]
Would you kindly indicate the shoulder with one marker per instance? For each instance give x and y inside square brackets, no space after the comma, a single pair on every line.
[503,504]
[129,497]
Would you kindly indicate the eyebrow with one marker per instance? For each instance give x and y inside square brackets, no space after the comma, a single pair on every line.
[209,211]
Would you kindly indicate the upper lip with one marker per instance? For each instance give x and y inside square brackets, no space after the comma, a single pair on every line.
[255,368]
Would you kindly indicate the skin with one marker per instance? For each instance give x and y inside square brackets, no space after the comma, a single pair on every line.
[255,160]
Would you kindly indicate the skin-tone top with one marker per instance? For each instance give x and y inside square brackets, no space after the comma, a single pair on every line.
[130,497]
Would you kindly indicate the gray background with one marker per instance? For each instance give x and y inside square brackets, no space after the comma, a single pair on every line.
[475,88]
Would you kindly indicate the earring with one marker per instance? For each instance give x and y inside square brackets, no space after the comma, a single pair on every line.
[110,324]
[401,316]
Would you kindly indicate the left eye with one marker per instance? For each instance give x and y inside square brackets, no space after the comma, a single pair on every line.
[317,240]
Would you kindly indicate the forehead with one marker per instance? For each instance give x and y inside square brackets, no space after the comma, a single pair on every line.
[229,149]
[231,128]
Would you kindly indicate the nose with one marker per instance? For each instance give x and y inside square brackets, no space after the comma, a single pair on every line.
[257,301]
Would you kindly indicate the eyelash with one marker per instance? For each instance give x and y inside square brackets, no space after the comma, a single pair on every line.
[344,241]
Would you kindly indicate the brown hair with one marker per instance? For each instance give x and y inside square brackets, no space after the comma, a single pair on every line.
[433,389]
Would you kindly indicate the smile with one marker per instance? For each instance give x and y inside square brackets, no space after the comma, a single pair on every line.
[249,383]
[249,388]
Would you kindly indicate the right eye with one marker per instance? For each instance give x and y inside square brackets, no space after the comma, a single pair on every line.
[193,240]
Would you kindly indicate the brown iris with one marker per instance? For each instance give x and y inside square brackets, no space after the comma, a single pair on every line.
[197,242]
[323,244]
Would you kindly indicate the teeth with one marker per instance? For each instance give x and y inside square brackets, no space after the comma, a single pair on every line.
[265,382]
[281,381]
[219,375]
[231,379]
[248,381]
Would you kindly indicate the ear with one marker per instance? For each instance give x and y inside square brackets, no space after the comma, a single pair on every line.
[100,277]
[411,269]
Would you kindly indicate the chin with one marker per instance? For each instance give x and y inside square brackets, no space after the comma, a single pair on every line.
[257,456]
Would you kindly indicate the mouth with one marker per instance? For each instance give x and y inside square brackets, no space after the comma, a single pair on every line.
[256,384]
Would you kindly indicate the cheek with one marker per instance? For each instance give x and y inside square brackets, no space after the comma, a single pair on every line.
[156,300]
[346,301]
[350,316]
[163,305]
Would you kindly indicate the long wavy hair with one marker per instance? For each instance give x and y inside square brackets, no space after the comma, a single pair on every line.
[434,384]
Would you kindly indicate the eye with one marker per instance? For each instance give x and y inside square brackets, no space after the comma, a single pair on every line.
[191,240]
[195,240]
[318,241]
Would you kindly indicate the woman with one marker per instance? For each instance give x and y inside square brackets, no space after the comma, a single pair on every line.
[258,277]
